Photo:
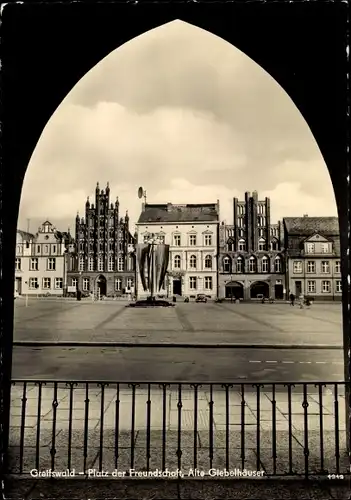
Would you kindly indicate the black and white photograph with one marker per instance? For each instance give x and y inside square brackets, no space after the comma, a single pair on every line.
[178,285]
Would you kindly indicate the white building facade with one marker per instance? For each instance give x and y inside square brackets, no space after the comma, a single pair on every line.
[40,266]
[191,231]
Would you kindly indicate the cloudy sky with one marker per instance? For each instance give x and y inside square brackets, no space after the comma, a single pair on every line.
[188,117]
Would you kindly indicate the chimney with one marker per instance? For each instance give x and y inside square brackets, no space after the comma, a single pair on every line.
[143,207]
[169,207]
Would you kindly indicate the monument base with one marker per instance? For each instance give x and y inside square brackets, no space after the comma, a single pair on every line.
[151,302]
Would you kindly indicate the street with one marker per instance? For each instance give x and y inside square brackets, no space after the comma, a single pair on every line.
[177,364]
[285,330]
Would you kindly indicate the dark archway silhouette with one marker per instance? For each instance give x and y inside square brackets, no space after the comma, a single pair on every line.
[101,285]
[309,63]
[259,288]
[234,290]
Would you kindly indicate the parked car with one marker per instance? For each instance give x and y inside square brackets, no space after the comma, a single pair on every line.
[201,298]
[259,296]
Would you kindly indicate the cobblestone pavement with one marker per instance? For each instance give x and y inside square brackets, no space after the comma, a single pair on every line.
[207,323]
[264,326]
[164,425]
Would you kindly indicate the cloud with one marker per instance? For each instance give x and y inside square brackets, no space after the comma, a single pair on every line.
[187,116]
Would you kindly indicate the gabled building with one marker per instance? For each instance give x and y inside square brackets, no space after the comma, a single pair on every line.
[251,257]
[41,266]
[191,230]
[313,253]
[104,258]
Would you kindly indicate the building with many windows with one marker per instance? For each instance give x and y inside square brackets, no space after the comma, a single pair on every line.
[251,258]
[41,261]
[191,230]
[104,260]
[313,253]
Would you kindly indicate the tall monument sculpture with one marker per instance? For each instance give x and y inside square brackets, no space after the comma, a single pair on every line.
[152,258]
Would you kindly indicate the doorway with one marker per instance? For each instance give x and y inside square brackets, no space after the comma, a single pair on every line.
[259,288]
[234,290]
[101,285]
[279,292]
[298,288]
[18,286]
[177,287]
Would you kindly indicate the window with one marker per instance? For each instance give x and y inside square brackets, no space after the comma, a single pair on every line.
[192,240]
[192,282]
[118,284]
[240,222]
[297,267]
[34,264]
[338,288]
[18,264]
[111,264]
[208,240]
[33,283]
[110,246]
[146,238]
[242,246]
[53,248]
[278,265]
[100,264]
[325,266]
[46,249]
[261,232]
[230,245]
[27,244]
[227,265]
[101,247]
[252,265]
[325,286]
[161,239]
[58,283]
[177,262]
[337,266]
[310,248]
[75,282]
[208,282]
[324,247]
[265,264]
[38,248]
[52,264]
[274,245]
[208,262]
[19,249]
[193,262]
[240,265]
[311,266]
[86,283]
[46,283]
[311,286]
[262,245]
[91,264]
[176,240]
[120,264]
[260,221]
[130,283]
[81,264]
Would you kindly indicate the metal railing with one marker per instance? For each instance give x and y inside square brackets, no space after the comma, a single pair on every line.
[183,430]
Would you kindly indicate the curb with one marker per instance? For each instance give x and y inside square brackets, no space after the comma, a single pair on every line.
[179,345]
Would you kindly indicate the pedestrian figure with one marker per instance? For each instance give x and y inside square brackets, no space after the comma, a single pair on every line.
[301,301]
[292,299]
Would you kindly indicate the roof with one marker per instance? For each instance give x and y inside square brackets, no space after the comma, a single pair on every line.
[307,226]
[206,212]
[25,235]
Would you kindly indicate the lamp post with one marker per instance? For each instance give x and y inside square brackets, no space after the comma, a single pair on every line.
[231,288]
